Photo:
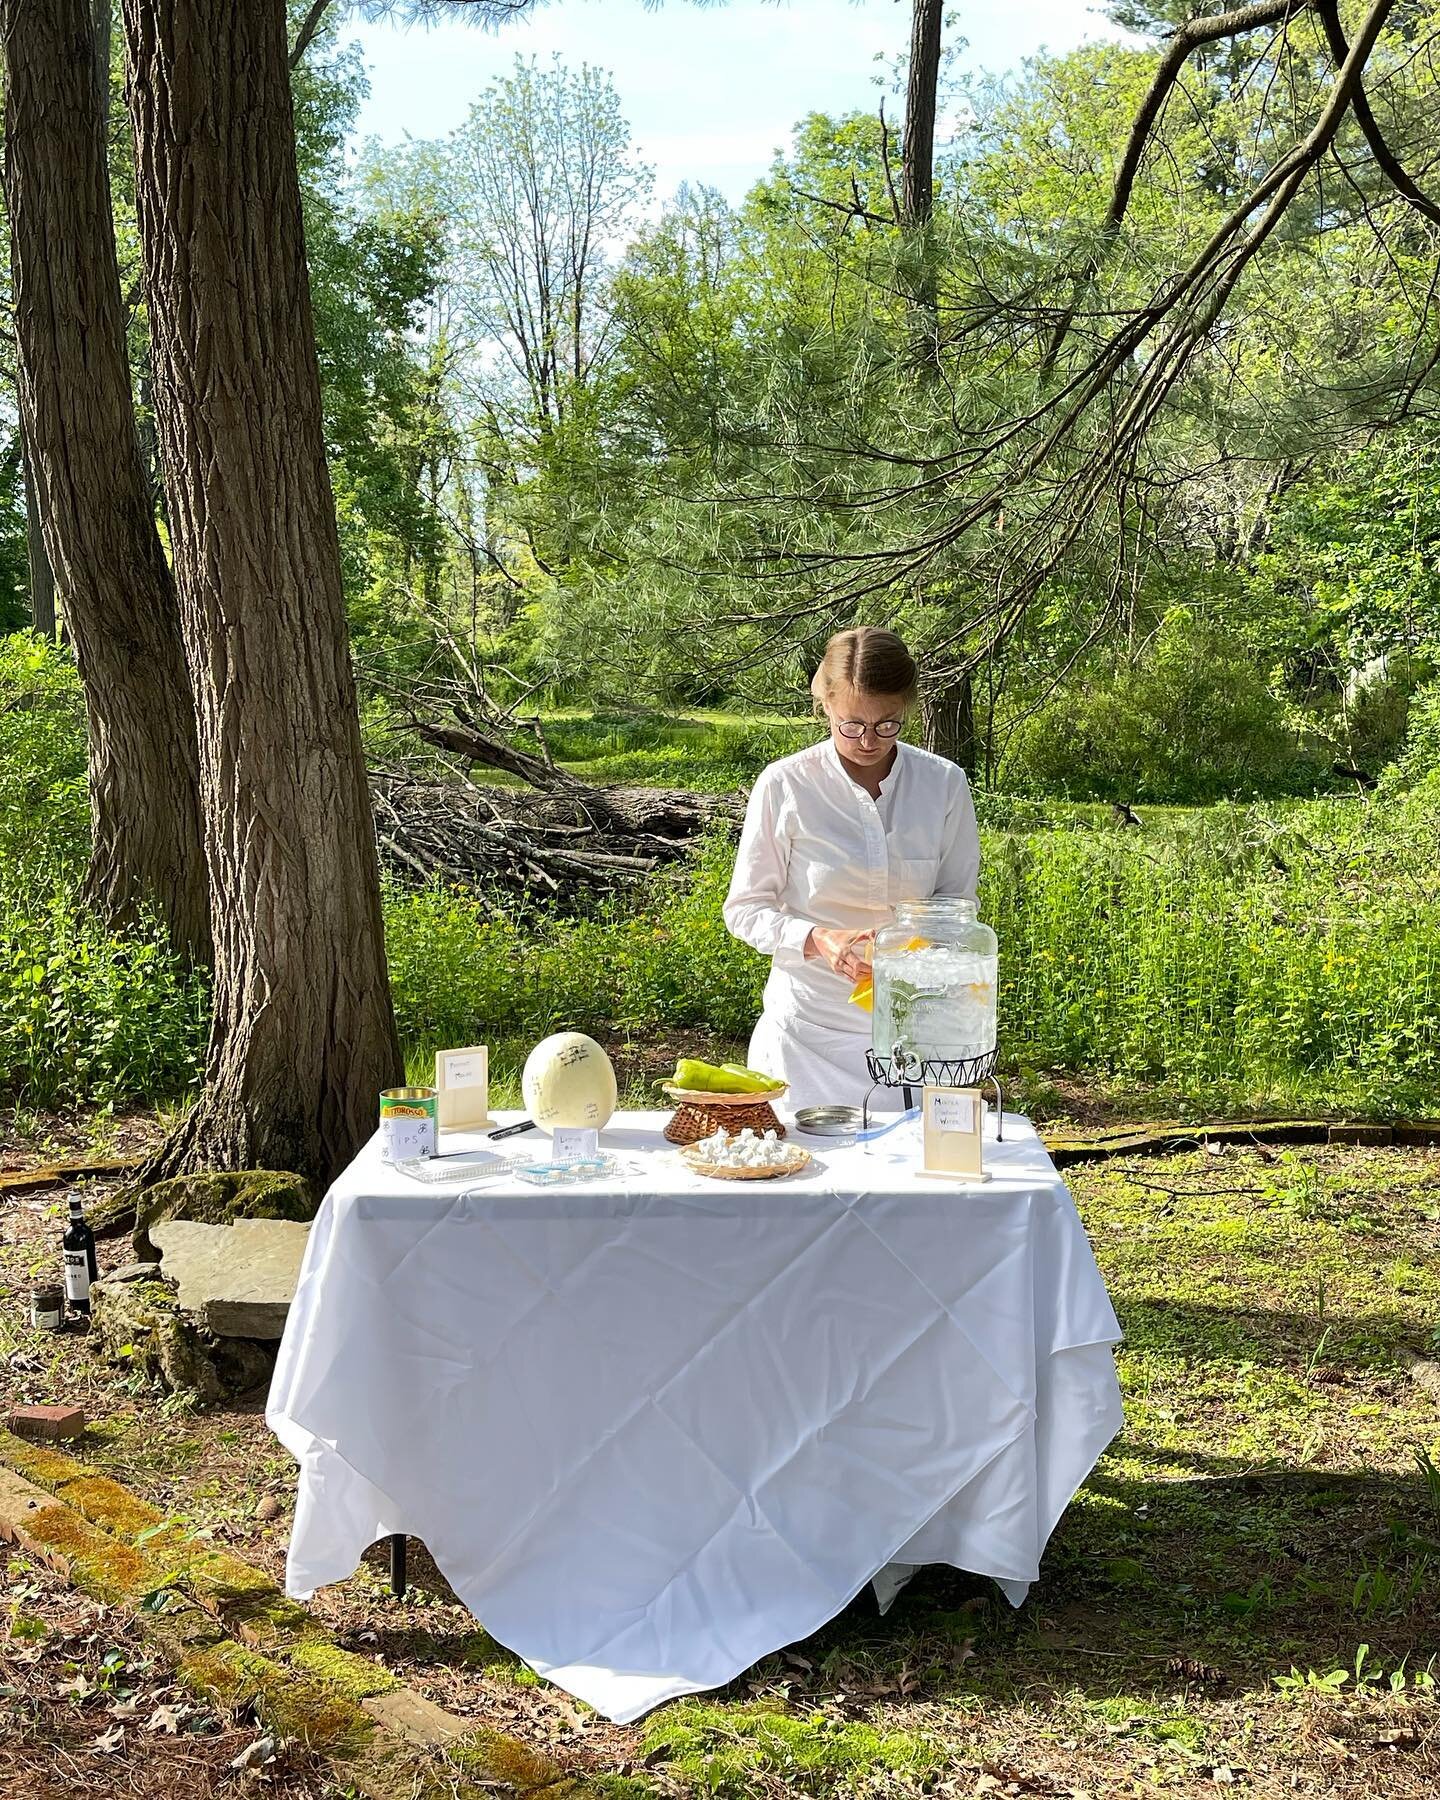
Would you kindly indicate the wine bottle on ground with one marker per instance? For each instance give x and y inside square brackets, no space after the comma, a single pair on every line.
[80,1269]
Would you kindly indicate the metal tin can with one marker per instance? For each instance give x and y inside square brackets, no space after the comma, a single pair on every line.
[47,1308]
[408,1125]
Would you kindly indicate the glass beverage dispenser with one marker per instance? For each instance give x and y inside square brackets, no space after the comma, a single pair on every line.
[935,974]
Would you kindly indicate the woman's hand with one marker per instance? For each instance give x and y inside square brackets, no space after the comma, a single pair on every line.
[846,952]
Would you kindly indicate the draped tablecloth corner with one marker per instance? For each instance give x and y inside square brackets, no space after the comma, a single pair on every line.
[655,1429]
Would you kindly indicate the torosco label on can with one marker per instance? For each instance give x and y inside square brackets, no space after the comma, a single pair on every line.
[407,1123]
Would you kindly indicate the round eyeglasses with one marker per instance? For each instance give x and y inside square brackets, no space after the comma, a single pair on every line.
[856,728]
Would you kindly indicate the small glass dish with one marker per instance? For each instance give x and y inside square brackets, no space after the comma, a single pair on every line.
[562,1174]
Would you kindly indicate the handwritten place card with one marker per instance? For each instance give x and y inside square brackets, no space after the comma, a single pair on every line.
[574,1143]
[953,1123]
[462,1084]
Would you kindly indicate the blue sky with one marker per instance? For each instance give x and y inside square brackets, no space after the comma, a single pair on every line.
[710,92]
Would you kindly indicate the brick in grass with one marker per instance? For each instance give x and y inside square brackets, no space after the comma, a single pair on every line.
[47,1424]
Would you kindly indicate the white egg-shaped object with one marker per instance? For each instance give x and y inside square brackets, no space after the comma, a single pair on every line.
[569,1082]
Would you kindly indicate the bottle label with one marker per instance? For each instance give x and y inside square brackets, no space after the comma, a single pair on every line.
[77,1275]
[47,1310]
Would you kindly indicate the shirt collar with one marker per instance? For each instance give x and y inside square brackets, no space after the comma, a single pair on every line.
[887,781]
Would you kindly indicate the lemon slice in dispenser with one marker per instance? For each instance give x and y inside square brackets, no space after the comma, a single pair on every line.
[863,992]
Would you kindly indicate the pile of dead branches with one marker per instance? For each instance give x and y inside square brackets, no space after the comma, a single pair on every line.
[555,838]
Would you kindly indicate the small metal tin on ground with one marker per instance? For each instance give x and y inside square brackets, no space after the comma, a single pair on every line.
[829,1121]
[47,1308]
[408,1123]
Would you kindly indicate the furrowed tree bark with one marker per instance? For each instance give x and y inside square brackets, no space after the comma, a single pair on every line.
[89,480]
[303,1035]
[42,576]
[917,183]
[947,714]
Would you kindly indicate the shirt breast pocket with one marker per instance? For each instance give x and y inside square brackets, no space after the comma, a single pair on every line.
[913,878]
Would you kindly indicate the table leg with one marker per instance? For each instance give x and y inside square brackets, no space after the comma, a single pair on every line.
[397,1566]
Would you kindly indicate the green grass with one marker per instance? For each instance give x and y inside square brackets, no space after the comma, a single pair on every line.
[705,751]
[1219,958]
[1239,958]
[1262,1517]
[1250,1580]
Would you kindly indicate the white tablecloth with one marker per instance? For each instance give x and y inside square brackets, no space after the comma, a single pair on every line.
[654,1430]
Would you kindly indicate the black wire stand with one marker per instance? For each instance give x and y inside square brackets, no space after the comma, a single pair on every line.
[902,1070]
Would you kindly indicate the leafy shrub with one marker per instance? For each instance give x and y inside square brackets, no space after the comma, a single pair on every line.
[1264,951]
[1193,720]
[91,1019]
[1419,758]
[1244,948]
[1262,948]
[44,806]
[85,1017]
[457,972]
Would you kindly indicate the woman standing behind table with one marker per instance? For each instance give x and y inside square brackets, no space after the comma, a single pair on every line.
[835,837]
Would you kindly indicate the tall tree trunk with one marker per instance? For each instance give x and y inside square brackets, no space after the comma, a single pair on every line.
[303,1035]
[917,192]
[88,478]
[947,716]
[42,576]
[917,175]
[104,22]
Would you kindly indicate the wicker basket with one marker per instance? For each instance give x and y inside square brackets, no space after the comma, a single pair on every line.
[700,1115]
[723,1172]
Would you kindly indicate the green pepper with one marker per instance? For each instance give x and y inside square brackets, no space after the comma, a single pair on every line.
[695,1076]
[755,1080]
[730,1078]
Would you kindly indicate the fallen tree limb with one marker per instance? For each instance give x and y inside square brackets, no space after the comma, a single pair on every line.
[562,845]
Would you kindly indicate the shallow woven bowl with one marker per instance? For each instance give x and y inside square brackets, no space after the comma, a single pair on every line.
[763,1172]
[706,1096]
[697,1115]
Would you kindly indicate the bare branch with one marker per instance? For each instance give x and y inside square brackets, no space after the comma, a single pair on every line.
[309,25]
[1189,37]
[1385,158]
[853,209]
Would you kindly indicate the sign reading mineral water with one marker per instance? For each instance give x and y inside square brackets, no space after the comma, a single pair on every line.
[953,1127]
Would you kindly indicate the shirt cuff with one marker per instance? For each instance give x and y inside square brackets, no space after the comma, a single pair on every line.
[794,933]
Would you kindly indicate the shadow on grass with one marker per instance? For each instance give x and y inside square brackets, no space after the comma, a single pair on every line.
[1172,1570]
[1221,1580]
[1218,1581]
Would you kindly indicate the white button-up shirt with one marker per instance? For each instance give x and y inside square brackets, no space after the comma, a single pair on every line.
[816,849]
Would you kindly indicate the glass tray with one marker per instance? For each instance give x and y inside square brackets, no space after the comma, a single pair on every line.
[469,1166]
[566,1174]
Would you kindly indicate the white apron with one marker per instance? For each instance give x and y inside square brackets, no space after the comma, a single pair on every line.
[817,850]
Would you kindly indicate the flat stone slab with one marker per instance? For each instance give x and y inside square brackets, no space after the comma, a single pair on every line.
[412,1716]
[239,1279]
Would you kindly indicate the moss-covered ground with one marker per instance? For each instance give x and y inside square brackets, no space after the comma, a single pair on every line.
[1245,1596]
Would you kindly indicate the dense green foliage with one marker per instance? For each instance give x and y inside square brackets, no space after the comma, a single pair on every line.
[1289,953]
[1188,719]
[585,454]
[678,500]
[627,471]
